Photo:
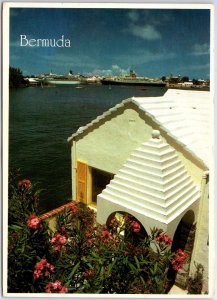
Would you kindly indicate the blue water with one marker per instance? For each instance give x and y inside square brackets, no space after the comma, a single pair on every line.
[41,120]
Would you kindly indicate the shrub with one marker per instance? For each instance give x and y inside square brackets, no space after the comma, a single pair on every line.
[82,256]
[27,235]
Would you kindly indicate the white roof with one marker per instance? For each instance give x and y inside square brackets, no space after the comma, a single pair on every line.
[183,114]
[154,182]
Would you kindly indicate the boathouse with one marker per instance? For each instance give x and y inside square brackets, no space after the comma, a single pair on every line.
[150,157]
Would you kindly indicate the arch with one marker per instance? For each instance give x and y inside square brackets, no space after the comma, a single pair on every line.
[183,239]
[135,237]
[183,230]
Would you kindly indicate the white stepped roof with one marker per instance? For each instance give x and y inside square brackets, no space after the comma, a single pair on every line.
[154,182]
[183,114]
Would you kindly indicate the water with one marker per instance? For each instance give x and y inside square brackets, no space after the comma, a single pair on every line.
[41,120]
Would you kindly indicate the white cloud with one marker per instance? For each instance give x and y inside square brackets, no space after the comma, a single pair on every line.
[146,32]
[201,49]
[114,70]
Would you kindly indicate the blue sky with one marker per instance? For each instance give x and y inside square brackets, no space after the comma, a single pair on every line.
[152,42]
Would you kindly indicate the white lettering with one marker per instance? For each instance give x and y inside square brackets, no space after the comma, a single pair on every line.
[60,43]
[32,43]
[67,43]
[23,37]
[60,40]
[44,42]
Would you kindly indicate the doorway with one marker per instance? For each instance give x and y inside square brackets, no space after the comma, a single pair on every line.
[99,181]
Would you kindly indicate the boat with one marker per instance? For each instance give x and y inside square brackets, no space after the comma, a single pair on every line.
[133,82]
[64,82]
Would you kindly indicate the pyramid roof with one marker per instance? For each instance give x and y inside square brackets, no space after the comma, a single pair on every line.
[153,181]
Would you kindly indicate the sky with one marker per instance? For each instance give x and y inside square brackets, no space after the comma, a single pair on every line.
[152,42]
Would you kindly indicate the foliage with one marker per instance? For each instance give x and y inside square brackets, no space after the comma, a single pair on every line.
[195,284]
[185,79]
[16,78]
[82,256]
[195,81]
[25,244]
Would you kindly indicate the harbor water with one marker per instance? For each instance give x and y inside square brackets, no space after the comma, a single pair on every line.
[41,120]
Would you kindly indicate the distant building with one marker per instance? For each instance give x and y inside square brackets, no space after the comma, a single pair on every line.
[32,81]
[150,157]
[186,84]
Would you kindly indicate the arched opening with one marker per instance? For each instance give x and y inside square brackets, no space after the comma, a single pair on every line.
[133,231]
[184,240]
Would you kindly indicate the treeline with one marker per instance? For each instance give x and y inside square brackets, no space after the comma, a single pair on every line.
[16,78]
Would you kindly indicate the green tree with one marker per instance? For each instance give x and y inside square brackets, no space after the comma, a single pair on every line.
[16,78]
[195,81]
[185,79]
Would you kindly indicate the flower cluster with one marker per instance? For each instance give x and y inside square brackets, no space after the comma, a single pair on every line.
[135,226]
[58,242]
[42,268]
[73,207]
[163,238]
[34,222]
[178,261]
[56,287]
[26,183]
[104,234]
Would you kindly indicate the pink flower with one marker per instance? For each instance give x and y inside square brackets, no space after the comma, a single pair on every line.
[56,286]
[62,240]
[58,242]
[105,234]
[26,183]
[163,238]
[73,207]
[178,261]
[64,290]
[181,254]
[40,265]
[135,226]
[34,222]
[42,268]
[87,233]
[37,274]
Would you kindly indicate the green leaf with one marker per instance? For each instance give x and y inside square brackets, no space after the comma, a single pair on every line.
[155,267]
[110,266]
[137,262]
[143,281]
[133,268]
[15,227]
[102,272]
[73,271]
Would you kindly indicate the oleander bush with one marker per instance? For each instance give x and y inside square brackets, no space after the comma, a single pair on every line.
[82,256]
